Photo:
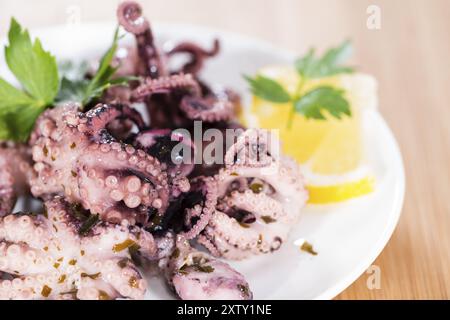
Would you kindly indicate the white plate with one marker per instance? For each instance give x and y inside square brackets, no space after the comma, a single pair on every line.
[348,237]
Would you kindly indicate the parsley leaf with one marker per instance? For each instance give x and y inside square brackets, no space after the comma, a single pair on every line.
[326,98]
[312,102]
[37,72]
[83,90]
[35,68]
[268,89]
[328,65]
[10,97]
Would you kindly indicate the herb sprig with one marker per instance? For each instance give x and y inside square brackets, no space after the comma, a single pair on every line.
[37,72]
[85,90]
[310,103]
[41,87]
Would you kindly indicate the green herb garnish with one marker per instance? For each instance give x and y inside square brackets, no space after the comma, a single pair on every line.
[83,90]
[307,247]
[41,87]
[268,219]
[313,102]
[46,290]
[37,72]
[135,254]
[92,276]
[256,187]
[197,267]
[88,224]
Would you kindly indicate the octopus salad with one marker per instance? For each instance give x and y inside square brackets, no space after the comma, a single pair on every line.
[114,201]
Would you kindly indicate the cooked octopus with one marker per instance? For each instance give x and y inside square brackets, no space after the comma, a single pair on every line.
[259,197]
[77,157]
[195,275]
[56,255]
[15,171]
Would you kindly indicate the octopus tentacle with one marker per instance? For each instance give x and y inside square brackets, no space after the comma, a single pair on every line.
[103,114]
[167,84]
[52,259]
[197,54]
[108,177]
[129,14]
[214,107]
[198,214]
[259,197]
[253,148]
[160,143]
[15,169]
[195,275]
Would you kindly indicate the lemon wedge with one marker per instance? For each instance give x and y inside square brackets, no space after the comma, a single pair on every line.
[330,152]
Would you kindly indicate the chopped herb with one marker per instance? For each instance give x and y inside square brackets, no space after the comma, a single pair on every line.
[123,262]
[206,269]
[45,151]
[79,212]
[135,255]
[74,174]
[88,224]
[175,254]
[72,292]
[268,219]
[62,278]
[123,245]
[92,276]
[183,271]
[73,262]
[102,295]
[307,247]
[244,289]
[46,290]
[260,239]
[56,265]
[256,187]
[133,282]
[73,145]
[244,225]
[82,252]
[234,174]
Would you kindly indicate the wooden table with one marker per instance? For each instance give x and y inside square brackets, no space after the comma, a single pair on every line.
[410,56]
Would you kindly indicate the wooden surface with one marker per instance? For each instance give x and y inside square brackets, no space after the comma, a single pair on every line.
[409,55]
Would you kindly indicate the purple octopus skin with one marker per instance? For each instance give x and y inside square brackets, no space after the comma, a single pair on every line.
[258,201]
[48,256]
[193,105]
[163,144]
[197,55]
[201,206]
[77,157]
[15,170]
[173,101]
[129,14]
[195,275]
